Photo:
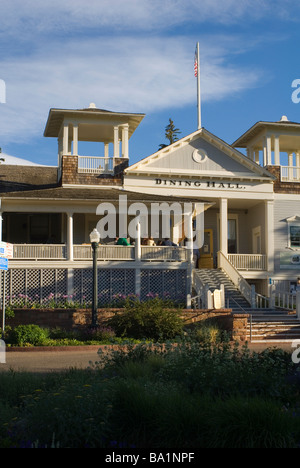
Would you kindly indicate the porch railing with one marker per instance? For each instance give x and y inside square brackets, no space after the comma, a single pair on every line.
[105,252]
[162,253]
[248,261]
[40,251]
[95,165]
[290,174]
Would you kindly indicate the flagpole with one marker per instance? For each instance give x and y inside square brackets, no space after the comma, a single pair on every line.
[198,88]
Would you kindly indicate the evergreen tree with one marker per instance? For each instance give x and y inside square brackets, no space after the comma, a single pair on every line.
[170,133]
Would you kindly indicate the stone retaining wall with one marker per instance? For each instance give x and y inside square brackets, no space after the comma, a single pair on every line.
[76,318]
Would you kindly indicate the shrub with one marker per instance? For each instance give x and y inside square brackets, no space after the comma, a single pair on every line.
[23,335]
[147,320]
[99,333]
[208,331]
[252,423]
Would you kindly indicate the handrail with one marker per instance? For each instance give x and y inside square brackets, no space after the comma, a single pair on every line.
[285,301]
[200,290]
[262,302]
[237,279]
[239,305]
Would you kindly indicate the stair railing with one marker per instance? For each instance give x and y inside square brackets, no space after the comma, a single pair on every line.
[235,276]
[262,302]
[200,289]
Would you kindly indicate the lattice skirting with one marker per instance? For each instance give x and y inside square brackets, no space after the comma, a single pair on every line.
[41,285]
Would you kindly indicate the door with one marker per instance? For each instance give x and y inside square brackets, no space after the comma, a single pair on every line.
[207,251]
[256,240]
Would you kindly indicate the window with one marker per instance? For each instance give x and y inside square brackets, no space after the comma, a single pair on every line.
[294,233]
[232,236]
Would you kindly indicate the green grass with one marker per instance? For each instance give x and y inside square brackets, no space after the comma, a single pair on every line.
[188,395]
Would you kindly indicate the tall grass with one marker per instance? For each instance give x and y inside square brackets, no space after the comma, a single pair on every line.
[184,395]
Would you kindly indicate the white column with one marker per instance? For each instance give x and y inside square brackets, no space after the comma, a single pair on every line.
[298,164]
[291,165]
[265,152]
[70,282]
[70,236]
[138,255]
[116,143]
[106,150]
[125,131]
[250,153]
[190,246]
[277,151]
[66,138]
[269,150]
[75,139]
[269,234]
[224,226]
[106,156]
[256,156]
[138,248]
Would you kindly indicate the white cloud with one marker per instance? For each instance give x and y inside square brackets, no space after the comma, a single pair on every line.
[122,74]
[117,54]
[33,17]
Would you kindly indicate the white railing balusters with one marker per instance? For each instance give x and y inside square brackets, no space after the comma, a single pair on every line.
[248,261]
[105,252]
[290,174]
[95,165]
[40,251]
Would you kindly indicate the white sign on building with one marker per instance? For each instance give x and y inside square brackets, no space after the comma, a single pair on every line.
[6,250]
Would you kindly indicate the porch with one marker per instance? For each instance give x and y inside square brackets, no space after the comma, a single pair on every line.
[105,252]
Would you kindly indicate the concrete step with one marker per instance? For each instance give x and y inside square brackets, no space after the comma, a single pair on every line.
[214,278]
[286,329]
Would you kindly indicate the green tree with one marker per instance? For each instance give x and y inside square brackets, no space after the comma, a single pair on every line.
[170,133]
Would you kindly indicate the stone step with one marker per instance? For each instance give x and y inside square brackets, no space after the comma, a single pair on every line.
[275,331]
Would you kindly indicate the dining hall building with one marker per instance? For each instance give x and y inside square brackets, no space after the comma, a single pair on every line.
[249,204]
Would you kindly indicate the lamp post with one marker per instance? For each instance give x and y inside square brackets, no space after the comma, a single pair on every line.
[95,238]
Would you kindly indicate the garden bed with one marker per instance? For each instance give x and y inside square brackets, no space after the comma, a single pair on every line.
[153,320]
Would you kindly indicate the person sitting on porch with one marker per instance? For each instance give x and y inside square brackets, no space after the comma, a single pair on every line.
[169,243]
[150,242]
[122,241]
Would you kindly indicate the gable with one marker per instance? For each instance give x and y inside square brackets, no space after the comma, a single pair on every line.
[202,155]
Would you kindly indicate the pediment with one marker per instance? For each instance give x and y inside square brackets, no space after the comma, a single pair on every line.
[293,219]
[200,154]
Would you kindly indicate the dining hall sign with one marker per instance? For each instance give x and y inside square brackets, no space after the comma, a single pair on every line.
[208,184]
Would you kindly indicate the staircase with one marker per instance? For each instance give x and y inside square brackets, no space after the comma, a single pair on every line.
[273,326]
[214,278]
[264,325]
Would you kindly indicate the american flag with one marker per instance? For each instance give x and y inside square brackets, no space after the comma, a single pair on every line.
[196,64]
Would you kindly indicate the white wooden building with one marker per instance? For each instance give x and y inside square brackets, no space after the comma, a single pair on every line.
[251,203]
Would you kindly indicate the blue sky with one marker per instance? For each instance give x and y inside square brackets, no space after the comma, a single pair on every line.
[138,56]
